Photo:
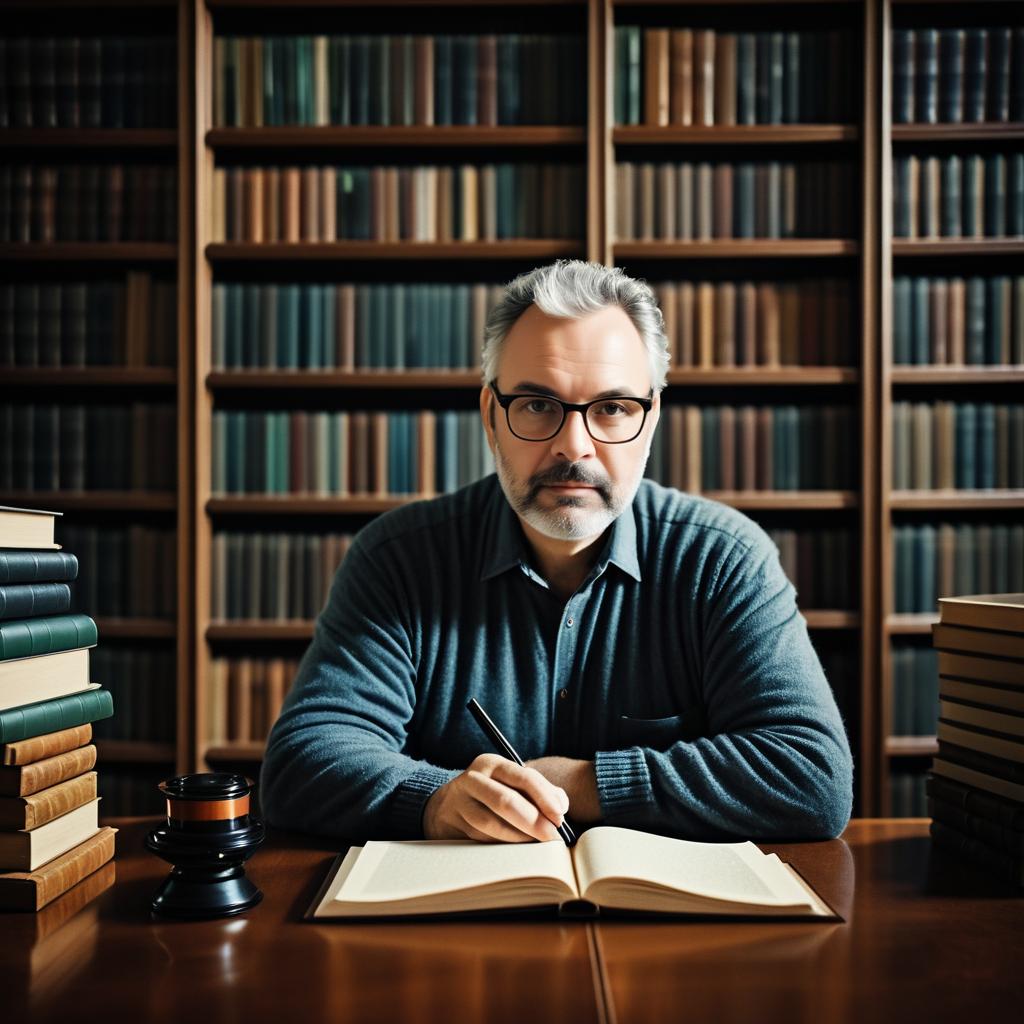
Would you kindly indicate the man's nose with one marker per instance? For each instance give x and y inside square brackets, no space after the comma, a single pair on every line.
[573,441]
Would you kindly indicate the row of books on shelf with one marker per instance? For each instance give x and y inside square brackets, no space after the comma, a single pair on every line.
[342,453]
[399,79]
[915,691]
[756,448]
[128,322]
[800,322]
[976,786]
[957,74]
[282,576]
[821,565]
[50,837]
[47,447]
[462,202]
[931,559]
[273,576]
[961,445]
[94,81]
[958,196]
[127,571]
[143,685]
[972,321]
[349,326]
[88,203]
[244,697]
[704,76]
[702,200]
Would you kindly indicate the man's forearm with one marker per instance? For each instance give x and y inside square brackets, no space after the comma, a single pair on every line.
[578,779]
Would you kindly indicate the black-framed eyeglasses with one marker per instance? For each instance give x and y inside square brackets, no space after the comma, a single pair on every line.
[613,420]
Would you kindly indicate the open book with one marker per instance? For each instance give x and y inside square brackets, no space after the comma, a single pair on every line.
[609,869]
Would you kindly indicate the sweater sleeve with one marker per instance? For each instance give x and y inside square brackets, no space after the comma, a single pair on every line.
[774,760]
[334,763]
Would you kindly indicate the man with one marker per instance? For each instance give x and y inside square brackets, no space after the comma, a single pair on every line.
[640,647]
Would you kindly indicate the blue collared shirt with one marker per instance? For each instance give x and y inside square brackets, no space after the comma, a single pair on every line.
[680,666]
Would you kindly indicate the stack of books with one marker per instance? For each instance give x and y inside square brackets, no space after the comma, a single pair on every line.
[50,838]
[976,787]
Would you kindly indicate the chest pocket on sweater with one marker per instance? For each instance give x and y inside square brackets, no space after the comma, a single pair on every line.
[660,733]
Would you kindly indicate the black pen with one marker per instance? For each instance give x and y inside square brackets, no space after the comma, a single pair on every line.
[495,734]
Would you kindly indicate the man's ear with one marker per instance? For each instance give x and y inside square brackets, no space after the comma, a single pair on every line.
[487,414]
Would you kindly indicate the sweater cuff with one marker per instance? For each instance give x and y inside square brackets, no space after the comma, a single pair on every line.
[411,797]
[623,785]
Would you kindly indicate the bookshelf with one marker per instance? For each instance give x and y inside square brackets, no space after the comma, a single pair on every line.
[938,125]
[841,264]
[62,75]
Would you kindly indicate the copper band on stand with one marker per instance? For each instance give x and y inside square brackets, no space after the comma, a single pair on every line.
[207,810]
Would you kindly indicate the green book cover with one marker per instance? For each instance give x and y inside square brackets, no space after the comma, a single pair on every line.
[33,599]
[37,566]
[26,638]
[53,715]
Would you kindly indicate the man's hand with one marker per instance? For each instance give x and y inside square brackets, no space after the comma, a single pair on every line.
[578,779]
[495,799]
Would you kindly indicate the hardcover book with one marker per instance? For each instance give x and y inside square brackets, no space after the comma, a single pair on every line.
[26,850]
[608,870]
[26,528]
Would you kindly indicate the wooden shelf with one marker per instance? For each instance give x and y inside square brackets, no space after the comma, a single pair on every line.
[911,746]
[828,619]
[514,249]
[295,504]
[958,247]
[259,379]
[782,500]
[90,376]
[1000,131]
[910,625]
[292,137]
[962,500]
[957,375]
[298,505]
[84,252]
[136,629]
[133,752]
[747,134]
[102,501]
[260,630]
[735,248]
[251,750]
[91,138]
[758,375]
[316,380]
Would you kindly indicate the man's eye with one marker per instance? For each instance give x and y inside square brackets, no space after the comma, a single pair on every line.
[538,406]
[610,409]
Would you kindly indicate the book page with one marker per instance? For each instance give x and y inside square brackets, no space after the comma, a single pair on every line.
[406,870]
[731,872]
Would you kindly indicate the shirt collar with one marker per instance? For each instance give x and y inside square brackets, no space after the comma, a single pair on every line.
[506,548]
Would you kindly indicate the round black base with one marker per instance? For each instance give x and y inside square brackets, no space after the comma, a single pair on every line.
[192,895]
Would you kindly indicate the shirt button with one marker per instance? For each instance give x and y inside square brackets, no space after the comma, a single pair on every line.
[568,622]
[563,693]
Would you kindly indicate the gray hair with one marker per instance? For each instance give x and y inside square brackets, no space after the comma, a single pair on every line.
[574,289]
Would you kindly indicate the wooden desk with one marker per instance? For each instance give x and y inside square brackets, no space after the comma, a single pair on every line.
[922,941]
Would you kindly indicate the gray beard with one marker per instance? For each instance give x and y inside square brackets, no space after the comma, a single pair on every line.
[563,525]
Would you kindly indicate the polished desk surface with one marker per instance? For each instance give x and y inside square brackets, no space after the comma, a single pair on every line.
[922,940]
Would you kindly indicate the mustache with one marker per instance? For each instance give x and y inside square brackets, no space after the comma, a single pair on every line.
[569,473]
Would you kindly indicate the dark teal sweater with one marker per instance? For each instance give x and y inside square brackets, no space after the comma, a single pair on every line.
[681,666]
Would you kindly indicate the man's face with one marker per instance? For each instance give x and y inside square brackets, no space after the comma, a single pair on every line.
[570,487]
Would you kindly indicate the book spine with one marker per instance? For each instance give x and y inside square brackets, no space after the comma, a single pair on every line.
[1006,815]
[55,715]
[32,891]
[31,637]
[37,748]
[28,600]
[39,808]
[1004,865]
[31,778]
